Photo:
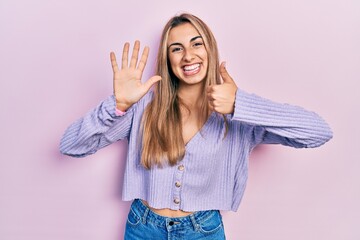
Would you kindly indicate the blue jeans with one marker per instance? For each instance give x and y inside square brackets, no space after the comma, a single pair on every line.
[144,224]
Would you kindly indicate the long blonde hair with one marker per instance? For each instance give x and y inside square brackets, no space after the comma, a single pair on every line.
[162,140]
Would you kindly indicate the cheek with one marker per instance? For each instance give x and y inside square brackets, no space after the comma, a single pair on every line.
[172,66]
[206,62]
[173,63]
[171,60]
[204,56]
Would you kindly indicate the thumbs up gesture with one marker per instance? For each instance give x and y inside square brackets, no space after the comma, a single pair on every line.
[128,88]
[222,96]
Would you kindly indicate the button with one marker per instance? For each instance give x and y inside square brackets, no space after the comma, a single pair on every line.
[176,201]
[177,184]
[181,168]
[171,223]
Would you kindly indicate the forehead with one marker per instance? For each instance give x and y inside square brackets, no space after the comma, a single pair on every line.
[182,33]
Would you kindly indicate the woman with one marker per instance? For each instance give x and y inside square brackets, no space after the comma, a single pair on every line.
[190,138]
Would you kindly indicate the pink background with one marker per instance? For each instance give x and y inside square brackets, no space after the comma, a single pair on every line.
[54,60]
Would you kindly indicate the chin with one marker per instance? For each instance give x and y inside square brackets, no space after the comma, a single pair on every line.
[192,81]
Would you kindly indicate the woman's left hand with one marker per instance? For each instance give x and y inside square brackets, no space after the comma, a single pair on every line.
[222,96]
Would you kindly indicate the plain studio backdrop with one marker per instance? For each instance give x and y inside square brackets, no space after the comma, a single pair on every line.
[54,67]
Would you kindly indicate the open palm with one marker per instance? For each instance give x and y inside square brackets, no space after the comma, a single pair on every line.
[128,88]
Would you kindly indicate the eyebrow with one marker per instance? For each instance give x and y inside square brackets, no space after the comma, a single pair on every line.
[191,40]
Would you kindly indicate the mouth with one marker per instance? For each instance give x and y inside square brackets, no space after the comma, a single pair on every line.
[190,70]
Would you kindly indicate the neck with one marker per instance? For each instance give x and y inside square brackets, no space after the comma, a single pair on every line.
[191,95]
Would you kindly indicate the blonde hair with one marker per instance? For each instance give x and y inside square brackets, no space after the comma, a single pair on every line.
[161,121]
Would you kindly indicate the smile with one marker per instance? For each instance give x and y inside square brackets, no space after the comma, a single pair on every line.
[191,69]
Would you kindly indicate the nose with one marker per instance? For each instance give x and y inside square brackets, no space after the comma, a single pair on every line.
[188,55]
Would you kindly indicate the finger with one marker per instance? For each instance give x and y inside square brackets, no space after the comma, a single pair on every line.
[210,97]
[211,107]
[143,59]
[210,88]
[224,74]
[113,62]
[135,54]
[125,56]
[210,102]
[151,82]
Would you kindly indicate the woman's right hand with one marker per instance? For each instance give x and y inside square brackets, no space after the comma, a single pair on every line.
[128,88]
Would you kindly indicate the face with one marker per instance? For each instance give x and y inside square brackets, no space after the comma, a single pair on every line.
[187,54]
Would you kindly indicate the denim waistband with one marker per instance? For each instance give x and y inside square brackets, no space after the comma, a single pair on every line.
[147,215]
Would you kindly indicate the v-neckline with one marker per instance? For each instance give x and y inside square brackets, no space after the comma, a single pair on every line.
[196,135]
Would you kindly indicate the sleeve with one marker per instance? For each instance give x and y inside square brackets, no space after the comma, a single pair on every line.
[276,123]
[97,129]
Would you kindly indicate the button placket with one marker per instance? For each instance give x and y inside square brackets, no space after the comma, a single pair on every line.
[177,185]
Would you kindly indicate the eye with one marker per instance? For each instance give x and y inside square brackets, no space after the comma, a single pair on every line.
[198,44]
[176,49]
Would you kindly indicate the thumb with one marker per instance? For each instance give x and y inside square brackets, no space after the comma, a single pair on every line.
[151,82]
[224,74]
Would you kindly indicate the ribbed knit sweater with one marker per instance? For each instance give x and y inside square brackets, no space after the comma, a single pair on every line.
[214,170]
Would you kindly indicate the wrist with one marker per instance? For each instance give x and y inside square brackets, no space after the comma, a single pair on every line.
[121,106]
[119,112]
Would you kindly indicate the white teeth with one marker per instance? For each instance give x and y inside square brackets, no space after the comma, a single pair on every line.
[191,67]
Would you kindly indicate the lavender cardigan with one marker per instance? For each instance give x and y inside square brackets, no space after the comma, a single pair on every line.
[214,171]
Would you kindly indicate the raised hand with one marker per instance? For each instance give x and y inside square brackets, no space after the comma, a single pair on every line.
[128,88]
[222,96]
